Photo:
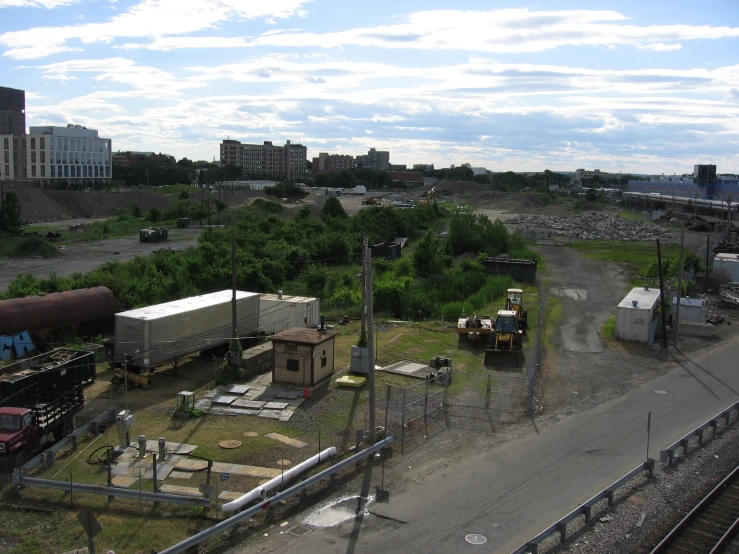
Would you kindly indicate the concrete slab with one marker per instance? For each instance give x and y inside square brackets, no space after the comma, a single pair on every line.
[180,475]
[249,471]
[270,414]
[123,481]
[191,465]
[229,495]
[289,395]
[224,400]
[285,415]
[173,447]
[179,489]
[238,390]
[287,440]
[252,404]
[275,406]
[163,472]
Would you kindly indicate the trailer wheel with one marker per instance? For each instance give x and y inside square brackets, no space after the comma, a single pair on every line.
[63,431]
[21,458]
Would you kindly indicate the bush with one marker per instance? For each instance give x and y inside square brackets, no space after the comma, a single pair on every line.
[135,210]
[184,195]
[34,247]
[153,215]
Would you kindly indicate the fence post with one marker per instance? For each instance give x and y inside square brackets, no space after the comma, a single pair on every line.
[109,461]
[445,400]
[154,467]
[402,425]
[426,412]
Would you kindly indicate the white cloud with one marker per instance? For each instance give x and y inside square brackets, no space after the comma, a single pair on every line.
[148,18]
[49,4]
[660,46]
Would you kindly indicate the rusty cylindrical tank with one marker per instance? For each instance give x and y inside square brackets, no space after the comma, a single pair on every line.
[56,309]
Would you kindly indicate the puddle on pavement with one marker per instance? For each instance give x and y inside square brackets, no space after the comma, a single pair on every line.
[339,511]
[575,294]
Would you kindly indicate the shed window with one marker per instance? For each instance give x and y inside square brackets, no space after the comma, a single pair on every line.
[323,361]
[291,347]
[293,365]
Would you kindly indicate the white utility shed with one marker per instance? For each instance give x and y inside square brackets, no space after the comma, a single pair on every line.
[728,264]
[635,315]
[278,312]
[691,309]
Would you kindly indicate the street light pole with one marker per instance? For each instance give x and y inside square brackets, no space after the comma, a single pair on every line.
[371,349]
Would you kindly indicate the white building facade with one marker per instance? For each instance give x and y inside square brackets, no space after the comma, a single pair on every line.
[72,153]
[12,164]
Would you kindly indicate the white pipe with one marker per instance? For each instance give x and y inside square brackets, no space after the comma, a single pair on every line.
[261,491]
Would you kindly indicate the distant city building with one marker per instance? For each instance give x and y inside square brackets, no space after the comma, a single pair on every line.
[74,153]
[398,167]
[127,158]
[408,178]
[476,170]
[375,159]
[12,111]
[12,157]
[423,167]
[288,162]
[333,162]
[704,174]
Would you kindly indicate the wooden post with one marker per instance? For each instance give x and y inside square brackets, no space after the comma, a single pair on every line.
[662,295]
[679,284]
[371,352]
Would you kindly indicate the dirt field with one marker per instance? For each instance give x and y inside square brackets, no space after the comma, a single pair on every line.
[88,256]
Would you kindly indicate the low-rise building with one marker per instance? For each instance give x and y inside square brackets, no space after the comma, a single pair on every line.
[333,162]
[127,158]
[303,356]
[266,160]
[407,178]
[375,159]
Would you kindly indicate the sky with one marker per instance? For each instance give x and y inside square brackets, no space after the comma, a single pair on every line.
[628,86]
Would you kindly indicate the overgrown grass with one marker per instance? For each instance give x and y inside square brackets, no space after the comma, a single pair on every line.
[27,247]
[174,189]
[609,328]
[637,256]
[114,227]
[552,317]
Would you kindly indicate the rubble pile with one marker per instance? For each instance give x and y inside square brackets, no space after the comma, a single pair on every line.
[594,226]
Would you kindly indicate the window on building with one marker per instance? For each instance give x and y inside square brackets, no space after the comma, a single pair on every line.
[43,156]
[291,348]
[6,143]
[33,171]
[7,157]
[53,171]
[33,143]
[293,365]
[42,143]
[323,361]
[43,171]
[33,156]
[7,170]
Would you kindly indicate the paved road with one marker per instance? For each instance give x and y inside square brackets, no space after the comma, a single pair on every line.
[511,493]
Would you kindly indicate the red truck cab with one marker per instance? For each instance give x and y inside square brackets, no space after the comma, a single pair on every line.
[19,435]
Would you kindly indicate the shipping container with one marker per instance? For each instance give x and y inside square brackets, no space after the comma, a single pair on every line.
[727,265]
[636,315]
[157,334]
[691,309]
[278,312]
[62,365]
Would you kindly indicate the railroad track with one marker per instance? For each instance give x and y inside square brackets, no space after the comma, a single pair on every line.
[709,527]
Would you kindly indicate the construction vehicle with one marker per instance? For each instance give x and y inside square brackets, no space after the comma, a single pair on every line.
[504,349]
[474,327]
[371,201]
[153,234]
[43,414]
[514,302]
[430,198]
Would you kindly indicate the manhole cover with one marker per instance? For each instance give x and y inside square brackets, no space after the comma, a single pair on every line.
[229,444]
[474,538]
[284,462]
[299,530]
[251,434]
[658,391]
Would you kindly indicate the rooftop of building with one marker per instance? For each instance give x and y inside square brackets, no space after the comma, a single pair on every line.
[303,335]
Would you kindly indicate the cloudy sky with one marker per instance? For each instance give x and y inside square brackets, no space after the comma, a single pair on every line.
[642,86]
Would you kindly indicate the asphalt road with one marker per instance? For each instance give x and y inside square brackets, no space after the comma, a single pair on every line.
[511,493]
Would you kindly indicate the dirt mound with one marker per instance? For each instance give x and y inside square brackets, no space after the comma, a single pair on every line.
[461,188]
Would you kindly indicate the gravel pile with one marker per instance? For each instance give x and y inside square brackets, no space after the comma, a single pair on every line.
[664,501]
[594,226]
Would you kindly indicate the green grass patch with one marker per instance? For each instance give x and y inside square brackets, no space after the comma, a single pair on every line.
[637,256]
[112,228]
[609,328]
[552,317]
[27,247]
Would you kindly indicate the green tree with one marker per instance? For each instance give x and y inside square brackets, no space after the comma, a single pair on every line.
[184,195]
[10,213]
[333,208]
[431,255]
[135,210]
[153,215]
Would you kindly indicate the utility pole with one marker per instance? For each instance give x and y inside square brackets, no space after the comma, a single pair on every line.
[218,211]
[371,349]
[364,286]
[234,332]
[662,296]
[207,202]
[679,285]
[705,273]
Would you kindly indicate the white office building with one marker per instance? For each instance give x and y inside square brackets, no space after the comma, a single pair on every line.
[12,164]
[73,153]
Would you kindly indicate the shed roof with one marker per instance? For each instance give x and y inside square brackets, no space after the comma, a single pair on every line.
[401,241]
[646,298]
[303,335]
[727,257]
[184,305]
[286,298]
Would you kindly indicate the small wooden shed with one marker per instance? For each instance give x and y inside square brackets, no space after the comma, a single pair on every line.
[303,356]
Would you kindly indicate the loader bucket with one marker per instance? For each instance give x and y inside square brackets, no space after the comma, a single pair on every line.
[503,359]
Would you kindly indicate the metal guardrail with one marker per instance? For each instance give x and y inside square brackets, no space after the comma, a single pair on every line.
[584,509]
[292,491]
[108,415]
[668,454]
[115,491]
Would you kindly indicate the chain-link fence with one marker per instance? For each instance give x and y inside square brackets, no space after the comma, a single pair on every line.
[477,402]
